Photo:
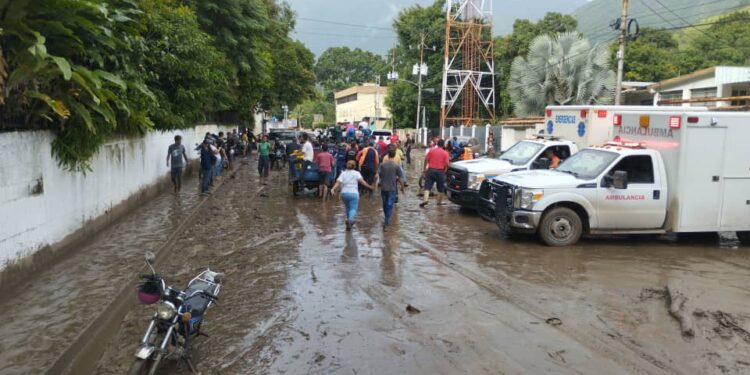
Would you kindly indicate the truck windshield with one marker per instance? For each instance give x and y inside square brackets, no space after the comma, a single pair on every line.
[521,152]
[588,163]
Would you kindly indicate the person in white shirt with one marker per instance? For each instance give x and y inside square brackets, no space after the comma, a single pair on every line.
[349,182]
[307,148]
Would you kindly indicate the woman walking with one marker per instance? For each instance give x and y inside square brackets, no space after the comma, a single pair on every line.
[349,181]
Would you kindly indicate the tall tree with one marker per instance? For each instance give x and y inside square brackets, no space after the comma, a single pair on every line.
[340,67]
[244,31]
[516,44]
[186,73]
[410,24]
[725,42]
[293,78]
[562,70]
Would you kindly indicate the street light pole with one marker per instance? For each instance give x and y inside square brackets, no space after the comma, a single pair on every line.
[419,80]
[286,114]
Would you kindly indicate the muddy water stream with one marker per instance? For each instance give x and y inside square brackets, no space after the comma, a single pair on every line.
[304,296]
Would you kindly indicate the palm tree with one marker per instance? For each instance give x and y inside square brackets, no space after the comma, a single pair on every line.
[560,70]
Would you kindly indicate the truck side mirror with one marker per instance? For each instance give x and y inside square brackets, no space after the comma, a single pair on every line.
[541,163]
[620,180]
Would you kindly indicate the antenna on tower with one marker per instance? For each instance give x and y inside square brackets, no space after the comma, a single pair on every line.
[469,72]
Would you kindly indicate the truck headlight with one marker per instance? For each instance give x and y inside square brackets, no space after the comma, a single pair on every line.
[475,181]
[165,310]
[528,198]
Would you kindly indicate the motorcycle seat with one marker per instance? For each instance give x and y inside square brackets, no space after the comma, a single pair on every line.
[198,303]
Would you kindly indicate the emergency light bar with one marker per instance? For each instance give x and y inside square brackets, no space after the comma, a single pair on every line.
[625,144]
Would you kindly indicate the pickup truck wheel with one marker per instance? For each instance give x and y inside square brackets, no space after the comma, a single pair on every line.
[560,226]
[744,238]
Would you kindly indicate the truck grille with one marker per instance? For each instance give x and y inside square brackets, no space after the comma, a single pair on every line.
[457,179]
[502,195]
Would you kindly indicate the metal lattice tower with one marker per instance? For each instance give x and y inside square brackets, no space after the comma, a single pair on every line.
[469,73]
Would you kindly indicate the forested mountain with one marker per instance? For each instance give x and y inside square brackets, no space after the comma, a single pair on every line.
[594,18]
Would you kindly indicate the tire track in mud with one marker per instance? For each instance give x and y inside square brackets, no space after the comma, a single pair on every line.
[600,345]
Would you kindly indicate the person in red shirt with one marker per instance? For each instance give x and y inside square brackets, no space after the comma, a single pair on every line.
[325,162]
[435,166]
[382,147]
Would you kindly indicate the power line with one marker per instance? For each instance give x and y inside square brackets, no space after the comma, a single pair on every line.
[597,32]
[344,35]
[345,24]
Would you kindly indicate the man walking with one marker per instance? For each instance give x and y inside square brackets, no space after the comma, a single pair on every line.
[435,166]
[207,164]
[264,153]
[325,162]
[408,145]
[307,148]
[178,157]
[369,161]
[391,178]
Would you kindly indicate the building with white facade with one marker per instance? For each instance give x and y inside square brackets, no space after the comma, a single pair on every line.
[365,102]
[714,82]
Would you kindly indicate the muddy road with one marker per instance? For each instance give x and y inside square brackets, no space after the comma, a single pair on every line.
[304,296]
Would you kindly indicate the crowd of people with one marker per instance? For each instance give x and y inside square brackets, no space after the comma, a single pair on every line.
[350,164]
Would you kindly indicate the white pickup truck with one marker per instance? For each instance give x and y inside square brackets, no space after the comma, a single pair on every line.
[665,172]
[567,129]
[464,178]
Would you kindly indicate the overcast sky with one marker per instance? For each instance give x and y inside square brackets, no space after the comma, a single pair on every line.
[376,18]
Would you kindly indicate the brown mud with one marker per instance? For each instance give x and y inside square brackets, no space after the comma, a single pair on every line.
[439,293]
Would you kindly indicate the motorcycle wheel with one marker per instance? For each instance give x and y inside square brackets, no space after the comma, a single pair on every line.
[155,365]
[138,367]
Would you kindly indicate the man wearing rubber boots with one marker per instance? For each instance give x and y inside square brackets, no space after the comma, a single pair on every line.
[435,166]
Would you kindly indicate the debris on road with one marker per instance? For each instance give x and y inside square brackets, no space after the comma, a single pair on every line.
[412,310]
[676,300]
[554,321]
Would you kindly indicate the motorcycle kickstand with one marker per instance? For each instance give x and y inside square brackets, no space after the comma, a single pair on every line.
[189,364]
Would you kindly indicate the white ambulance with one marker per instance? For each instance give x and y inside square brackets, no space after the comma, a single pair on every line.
[567,129]
[674,171]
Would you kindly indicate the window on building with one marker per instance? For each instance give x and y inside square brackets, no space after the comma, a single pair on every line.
[346,99]
[671,95]
[739,92]
[708,92]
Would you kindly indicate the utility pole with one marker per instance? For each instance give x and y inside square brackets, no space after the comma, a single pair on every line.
[377,101]
[419,80]
[621,51]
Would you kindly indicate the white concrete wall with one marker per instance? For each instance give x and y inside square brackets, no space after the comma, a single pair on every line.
[511,135]
[31,219]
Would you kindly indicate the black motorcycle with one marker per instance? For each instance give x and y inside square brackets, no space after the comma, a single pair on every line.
[278,159]
[177,319]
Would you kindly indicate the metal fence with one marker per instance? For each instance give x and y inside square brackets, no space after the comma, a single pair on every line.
[480,133]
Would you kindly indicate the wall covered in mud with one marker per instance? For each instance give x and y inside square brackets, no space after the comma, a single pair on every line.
[42,204]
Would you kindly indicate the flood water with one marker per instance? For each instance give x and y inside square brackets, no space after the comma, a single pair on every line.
[304,296]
